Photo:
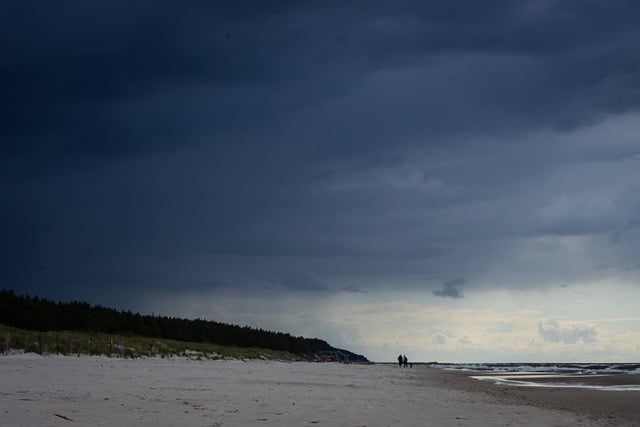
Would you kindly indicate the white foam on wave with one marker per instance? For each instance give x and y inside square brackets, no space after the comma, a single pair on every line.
[521,377]
[577,368]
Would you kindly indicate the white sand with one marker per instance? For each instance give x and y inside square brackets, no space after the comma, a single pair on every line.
[155,392]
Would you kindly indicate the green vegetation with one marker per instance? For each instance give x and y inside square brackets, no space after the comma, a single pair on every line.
[84,343]
[103,330]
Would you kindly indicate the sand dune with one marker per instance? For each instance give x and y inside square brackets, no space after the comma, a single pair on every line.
[65,391]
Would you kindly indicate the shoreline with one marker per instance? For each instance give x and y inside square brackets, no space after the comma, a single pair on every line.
[615,408]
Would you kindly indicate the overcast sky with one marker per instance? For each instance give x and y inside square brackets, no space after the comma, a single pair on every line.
[457,181]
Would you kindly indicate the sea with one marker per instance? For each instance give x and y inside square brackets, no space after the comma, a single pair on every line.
[596,376]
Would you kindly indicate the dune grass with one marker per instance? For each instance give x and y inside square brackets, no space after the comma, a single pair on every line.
[115,345]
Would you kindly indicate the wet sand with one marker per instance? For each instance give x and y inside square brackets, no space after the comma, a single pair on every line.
[605,382]
[610,408]
[90,391]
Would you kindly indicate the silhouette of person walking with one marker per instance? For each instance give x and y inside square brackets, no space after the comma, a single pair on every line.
[400,360]
[405,360]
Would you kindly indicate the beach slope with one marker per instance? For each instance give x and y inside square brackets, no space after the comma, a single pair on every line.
[57,390]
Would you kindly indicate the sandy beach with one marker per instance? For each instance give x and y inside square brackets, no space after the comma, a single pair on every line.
[65,391]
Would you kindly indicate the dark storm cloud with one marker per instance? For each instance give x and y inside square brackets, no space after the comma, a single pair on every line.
[354,290]
[138,137]
[451,289]
[89,80]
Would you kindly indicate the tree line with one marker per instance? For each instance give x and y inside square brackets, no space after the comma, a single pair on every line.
[40,314]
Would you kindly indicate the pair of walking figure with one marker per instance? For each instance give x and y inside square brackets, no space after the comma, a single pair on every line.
[402,360]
